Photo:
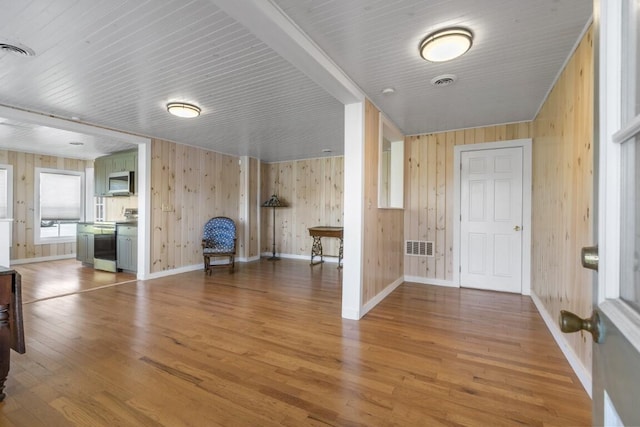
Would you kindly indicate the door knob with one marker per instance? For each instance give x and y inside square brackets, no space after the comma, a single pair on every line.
[570,322]
[589,257]
[517,228]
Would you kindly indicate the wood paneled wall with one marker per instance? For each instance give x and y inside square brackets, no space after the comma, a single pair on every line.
[313,190]
[188,186]
[115,206]
[563,194]
[428,213]
[248,210]
[24,165]
[383,228]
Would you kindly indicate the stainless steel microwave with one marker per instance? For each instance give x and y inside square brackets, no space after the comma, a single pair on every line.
[121,183]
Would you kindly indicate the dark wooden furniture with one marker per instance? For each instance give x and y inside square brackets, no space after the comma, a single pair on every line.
[316,248]
[11,329]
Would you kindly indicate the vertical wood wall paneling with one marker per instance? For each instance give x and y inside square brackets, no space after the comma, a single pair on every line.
[243,201]
[115,206]
[248,208]
[429,189]
[563,194]
[383,228]
[313,190]
[188,186]
[254,191]
[24,164]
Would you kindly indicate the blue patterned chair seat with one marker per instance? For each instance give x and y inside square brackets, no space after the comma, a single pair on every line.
[219,240]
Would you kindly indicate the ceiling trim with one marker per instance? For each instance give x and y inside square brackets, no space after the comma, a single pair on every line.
[68,125]
[267,21]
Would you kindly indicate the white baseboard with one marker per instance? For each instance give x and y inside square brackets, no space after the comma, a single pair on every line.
[42,259]
[171,272]
[195,267]
[350,313]
[382,295]
[327,258]
[428,281]
[250,259]
[584,374]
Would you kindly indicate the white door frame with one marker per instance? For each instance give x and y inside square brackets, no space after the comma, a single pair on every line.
[526,145]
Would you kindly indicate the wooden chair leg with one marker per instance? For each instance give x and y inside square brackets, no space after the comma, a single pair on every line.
[207,264]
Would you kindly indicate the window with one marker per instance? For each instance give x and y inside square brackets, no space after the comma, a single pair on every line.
[6,191]
[58,205]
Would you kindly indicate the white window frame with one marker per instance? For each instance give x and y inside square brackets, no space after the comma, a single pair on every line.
[9,169]
[38,240]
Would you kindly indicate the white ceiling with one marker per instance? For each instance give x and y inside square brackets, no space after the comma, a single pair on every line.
[116,64]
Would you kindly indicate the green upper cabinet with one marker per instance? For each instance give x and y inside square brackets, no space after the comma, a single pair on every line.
[100,177]
[118,162]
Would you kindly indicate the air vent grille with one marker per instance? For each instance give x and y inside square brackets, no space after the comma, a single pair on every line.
[444,80]
[419,248]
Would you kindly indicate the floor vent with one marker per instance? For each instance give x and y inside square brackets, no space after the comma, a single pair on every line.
[418,248]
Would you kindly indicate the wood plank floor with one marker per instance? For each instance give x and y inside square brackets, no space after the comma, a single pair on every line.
[266,346]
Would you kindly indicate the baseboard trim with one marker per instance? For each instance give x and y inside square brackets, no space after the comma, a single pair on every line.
[195,267]
[171,272]
[583,374]
[42,259]
[327,258]
[382,295]
[428,281]
[250,259]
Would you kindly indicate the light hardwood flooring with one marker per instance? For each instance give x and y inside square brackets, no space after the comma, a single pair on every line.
[266,346]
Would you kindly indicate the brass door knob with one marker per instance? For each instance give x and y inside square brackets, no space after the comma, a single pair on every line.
[589,257]
[570,322]
[517,228]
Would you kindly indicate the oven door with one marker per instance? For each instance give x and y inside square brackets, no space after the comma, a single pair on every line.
[105,251]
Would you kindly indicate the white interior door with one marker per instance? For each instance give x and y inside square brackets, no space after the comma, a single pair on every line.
[616,360]
[491,219]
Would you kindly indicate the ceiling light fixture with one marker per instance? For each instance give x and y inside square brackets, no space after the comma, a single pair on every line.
[182,109]
[445,45]
[16,49]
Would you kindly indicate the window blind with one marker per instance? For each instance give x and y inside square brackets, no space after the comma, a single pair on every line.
[60,196]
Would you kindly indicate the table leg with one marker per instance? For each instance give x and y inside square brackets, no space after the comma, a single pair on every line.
[316,250]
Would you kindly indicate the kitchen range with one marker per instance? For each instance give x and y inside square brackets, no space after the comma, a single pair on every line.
[109,246]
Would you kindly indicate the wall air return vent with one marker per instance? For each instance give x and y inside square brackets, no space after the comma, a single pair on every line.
[418,248]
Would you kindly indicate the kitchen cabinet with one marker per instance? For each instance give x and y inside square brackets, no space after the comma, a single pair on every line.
[84,243]
[127,247]
[118,162]
[100,177]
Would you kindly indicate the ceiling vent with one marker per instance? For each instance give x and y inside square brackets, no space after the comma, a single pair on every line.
[16,49]
[444,80]
[418,248]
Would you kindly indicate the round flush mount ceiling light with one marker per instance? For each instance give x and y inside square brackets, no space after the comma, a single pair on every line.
[445,45]
[182,109]
[16,49]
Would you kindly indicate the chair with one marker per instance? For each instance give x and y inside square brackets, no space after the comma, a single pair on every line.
[219,240]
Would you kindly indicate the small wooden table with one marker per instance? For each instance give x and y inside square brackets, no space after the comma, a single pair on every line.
[324,231]
[11,330]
